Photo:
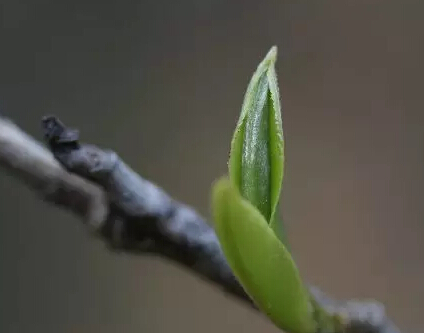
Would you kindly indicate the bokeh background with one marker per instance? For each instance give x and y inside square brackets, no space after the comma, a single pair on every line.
[162,82]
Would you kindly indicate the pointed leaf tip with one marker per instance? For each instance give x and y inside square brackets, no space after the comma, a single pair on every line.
[256,164]
[272,54]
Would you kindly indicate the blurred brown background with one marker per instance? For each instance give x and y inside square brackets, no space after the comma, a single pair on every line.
[162,82]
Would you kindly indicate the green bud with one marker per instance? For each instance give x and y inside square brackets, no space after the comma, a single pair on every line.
[245,212]
[256,164]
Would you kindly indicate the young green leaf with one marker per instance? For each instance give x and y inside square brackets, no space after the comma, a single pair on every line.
[256,164]
[260,261]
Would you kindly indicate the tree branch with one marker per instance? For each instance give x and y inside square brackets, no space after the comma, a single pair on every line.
[134,215]
[28,160]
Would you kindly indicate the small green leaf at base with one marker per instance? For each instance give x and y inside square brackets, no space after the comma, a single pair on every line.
[260,261]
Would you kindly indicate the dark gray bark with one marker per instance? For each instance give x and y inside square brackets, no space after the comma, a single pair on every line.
[139,217]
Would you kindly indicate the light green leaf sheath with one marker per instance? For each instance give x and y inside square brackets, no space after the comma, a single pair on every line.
[256,164]
[260,261]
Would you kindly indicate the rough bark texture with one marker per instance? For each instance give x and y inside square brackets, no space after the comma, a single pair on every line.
[134,215]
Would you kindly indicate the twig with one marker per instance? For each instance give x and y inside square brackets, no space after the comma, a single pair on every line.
[134,215]
[36,166]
